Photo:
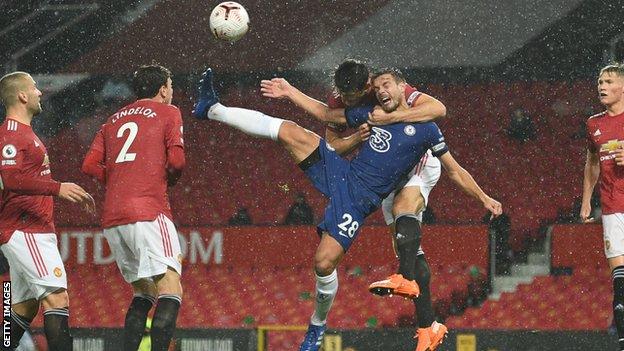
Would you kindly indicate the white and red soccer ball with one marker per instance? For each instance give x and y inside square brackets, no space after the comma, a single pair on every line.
[229,21]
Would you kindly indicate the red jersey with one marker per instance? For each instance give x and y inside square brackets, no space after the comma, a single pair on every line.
[605,134]
[26,202]
[134,143]
[335,101]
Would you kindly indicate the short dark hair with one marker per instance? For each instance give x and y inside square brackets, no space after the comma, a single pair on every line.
[394,72]
[615,67]
[351,76]
[148,79]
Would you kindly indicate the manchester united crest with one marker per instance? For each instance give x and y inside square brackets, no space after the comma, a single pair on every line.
[58,272]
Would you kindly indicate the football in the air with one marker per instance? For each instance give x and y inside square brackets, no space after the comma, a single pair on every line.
[229,21]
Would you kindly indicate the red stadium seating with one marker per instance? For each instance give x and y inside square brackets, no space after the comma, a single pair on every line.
[578,302]
[247,297]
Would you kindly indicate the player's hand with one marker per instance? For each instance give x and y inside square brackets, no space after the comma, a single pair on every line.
[493,206]
[276,88]
[585,212]
[364,132]
[75,193]
[619,156]
[89,204]
[379,117]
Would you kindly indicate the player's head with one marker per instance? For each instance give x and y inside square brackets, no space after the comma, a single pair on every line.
[611,84]
[352,81]
[389,85]
[153,82]
[20,89]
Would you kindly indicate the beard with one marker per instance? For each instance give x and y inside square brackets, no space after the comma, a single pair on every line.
[390,108]
[35,110]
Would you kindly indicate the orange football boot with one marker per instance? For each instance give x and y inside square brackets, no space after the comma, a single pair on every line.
[395,285]
[430,338]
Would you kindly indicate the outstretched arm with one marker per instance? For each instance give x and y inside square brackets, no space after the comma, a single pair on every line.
[16,181]
[426,108]
[590,178]
[465,181]
[279,88]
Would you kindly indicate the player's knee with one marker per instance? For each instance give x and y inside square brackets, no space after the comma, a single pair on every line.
[403,204]
[289,132]
[324,265]
[297,137]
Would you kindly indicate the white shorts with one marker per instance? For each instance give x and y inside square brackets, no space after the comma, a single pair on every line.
[36,267]
[613,229]
[145,249]
[425,175]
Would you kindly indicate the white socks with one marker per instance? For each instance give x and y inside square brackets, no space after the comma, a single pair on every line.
[247,121]
[326,289]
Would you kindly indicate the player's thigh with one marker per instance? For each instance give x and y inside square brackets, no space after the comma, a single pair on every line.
[409,200]
[57,299]
[299,141]
[169,283]
[613,232]
[145,286]
[28,308]
[425,178]
[36,266]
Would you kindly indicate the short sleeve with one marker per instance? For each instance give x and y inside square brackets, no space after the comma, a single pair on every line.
[591,146]
[13,151]
[98,140]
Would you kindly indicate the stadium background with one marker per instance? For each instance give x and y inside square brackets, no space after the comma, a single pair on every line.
[545,277]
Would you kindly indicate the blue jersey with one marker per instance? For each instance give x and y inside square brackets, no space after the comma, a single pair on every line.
[391,152]
[356,188]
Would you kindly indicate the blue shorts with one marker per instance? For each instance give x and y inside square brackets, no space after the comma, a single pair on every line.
[349,203]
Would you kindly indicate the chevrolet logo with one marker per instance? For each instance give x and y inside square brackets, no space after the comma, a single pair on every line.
[611,146]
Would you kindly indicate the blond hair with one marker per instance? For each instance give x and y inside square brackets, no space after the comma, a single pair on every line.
[616,68]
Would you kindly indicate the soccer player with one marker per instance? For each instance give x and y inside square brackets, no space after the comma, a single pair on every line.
[355,188]
[137,153]
[351,89]
[27,232]
[605,161]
